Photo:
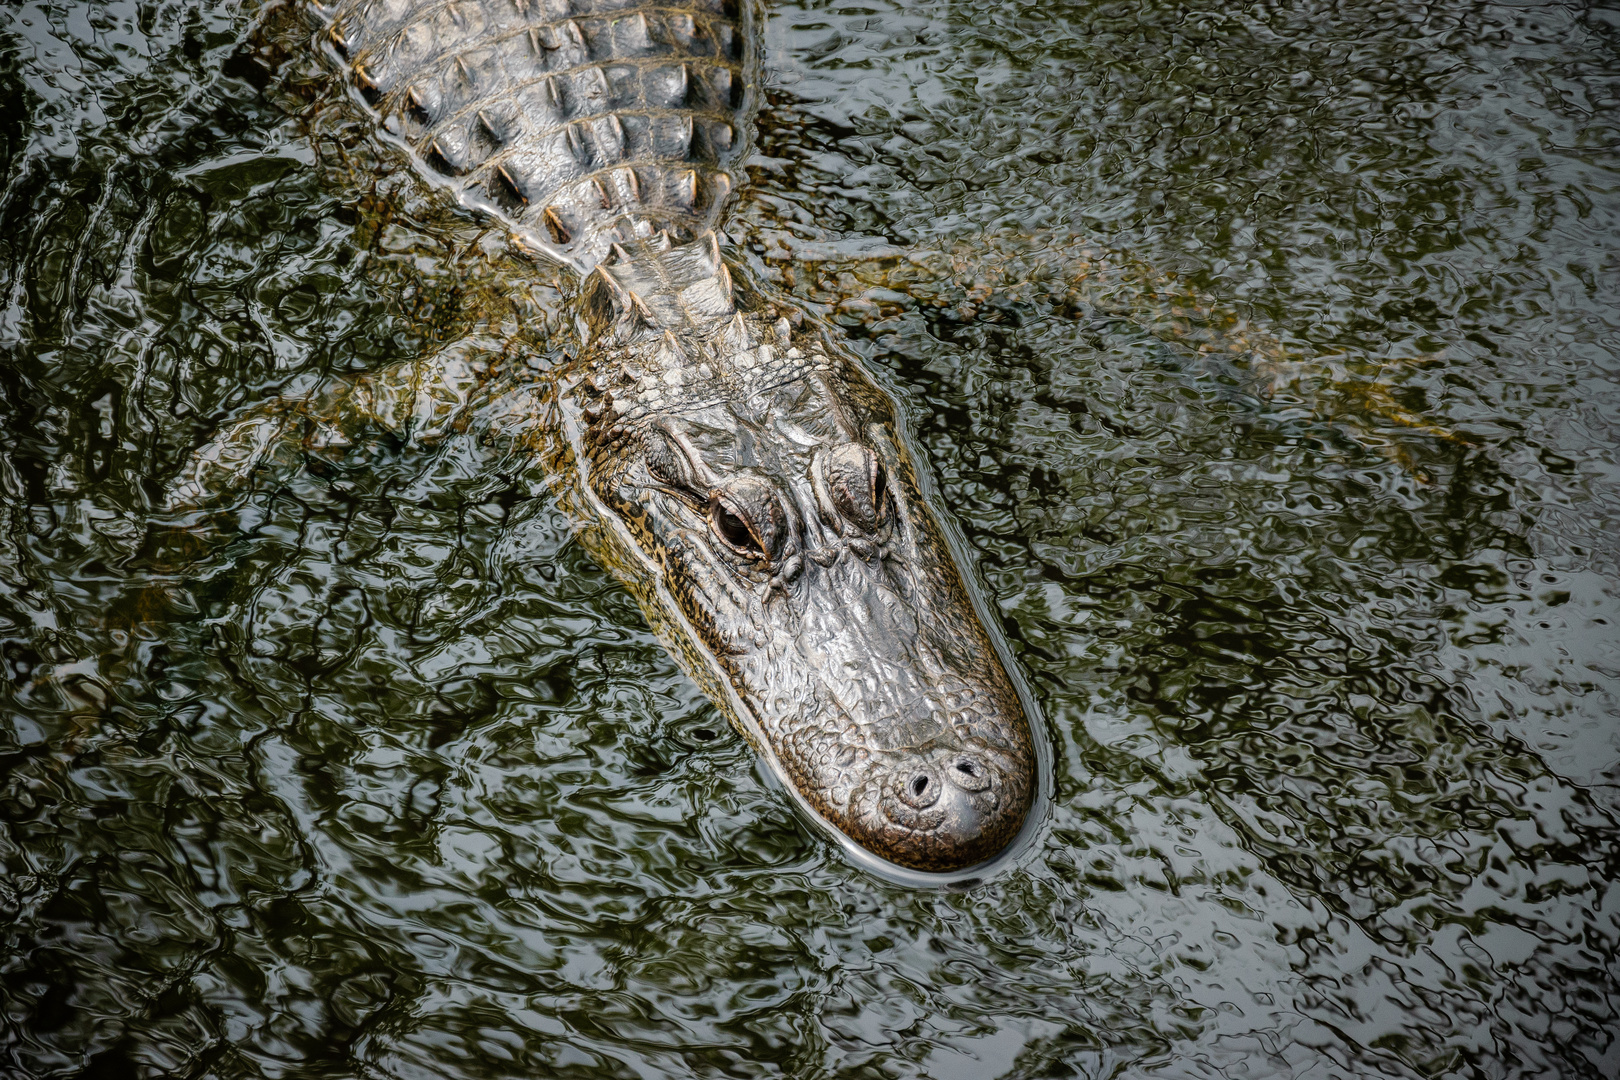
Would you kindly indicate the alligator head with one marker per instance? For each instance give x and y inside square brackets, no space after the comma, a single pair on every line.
[759,490]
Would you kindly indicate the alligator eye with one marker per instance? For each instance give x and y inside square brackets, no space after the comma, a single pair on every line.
[748,518]
[858,485]
[734,530]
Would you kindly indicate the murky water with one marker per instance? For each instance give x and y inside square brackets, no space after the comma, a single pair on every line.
[369,772]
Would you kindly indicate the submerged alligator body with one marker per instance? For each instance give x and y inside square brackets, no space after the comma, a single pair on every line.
[727,457]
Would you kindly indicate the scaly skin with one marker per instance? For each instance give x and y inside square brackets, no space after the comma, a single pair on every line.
[746,480]
[575,122]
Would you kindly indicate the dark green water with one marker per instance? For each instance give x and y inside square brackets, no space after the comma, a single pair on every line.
[370,773]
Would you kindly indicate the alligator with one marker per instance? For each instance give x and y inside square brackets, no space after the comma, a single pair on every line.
[722,451]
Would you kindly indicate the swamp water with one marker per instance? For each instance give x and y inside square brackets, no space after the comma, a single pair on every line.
[369,772]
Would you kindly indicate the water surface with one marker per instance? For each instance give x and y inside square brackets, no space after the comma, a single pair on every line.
[368,771]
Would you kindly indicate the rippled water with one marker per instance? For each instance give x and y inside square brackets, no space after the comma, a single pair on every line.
[371,772]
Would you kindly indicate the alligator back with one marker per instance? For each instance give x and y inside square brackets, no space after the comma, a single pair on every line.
[577,123]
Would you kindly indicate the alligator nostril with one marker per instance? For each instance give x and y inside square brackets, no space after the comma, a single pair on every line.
[920,790]
[969,774]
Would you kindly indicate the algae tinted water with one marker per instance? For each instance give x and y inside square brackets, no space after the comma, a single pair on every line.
[369,772]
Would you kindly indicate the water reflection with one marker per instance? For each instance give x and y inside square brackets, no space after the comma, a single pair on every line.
[372,772]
